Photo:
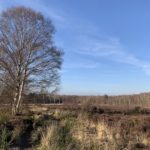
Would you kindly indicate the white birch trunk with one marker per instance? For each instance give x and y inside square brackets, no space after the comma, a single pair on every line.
[14,104]
[19,97]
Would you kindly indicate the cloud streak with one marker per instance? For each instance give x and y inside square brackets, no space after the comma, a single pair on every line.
[42,6]
[112,49]
[89,65]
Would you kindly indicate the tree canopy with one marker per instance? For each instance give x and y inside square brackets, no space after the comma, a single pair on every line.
[28,57]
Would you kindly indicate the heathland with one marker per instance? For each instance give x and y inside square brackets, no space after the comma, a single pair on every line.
[78,123]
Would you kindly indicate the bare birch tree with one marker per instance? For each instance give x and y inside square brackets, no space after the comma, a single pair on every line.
[28,57]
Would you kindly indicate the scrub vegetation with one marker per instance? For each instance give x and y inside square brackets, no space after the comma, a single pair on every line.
[84,127]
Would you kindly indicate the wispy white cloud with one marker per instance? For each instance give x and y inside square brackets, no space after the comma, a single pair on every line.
[39,5]
[111,48]
[55,15]
[88,65]
[99,46]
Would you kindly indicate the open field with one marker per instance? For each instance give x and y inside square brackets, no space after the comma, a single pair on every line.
[76,127]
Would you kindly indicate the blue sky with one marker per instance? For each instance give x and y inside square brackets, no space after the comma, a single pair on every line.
[106,43]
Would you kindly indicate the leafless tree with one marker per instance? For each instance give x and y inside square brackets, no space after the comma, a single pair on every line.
[28,57]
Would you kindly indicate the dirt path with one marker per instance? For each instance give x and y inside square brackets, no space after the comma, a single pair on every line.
[25,139]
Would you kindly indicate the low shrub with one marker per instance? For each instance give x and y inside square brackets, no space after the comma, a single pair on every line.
[5,139]
[94,109]
[4,116]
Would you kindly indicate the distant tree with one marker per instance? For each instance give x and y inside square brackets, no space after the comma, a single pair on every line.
[106,96]
[28,57]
